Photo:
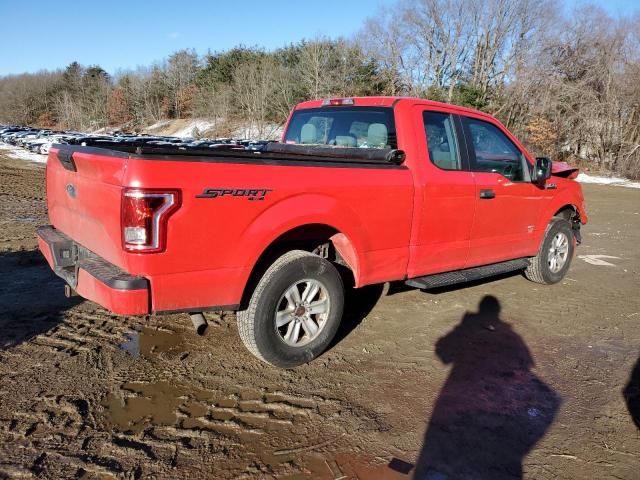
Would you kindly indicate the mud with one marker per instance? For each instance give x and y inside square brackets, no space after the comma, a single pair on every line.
[499,379]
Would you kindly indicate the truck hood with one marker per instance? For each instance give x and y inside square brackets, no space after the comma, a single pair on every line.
[562,169]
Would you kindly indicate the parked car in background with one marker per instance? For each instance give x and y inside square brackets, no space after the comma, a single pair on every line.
[41,140]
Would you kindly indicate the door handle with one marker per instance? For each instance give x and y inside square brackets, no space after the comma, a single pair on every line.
[487,194]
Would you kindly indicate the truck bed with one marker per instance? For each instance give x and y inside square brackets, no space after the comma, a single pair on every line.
[269,154]
[216,236]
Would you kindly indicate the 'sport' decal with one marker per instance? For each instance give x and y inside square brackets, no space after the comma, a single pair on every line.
[249,193]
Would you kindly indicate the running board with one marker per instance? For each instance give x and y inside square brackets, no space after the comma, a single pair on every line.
[467,275]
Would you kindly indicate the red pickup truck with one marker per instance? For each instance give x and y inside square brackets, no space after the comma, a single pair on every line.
[359,191]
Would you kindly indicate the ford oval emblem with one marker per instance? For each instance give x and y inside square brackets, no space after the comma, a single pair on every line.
[71,190]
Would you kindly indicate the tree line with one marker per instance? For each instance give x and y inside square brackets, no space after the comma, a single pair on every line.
[245,83]
[566,83]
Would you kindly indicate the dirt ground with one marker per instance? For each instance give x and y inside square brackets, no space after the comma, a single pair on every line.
[499,379]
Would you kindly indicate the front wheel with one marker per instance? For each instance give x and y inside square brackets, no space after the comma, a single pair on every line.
[294,311]
[552,262]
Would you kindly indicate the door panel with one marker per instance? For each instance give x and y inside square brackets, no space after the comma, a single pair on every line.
[507,201]
[445,198]
[504,226]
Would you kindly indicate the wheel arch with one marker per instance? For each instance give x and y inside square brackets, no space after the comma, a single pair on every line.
[563,203]
[321,238]
[562,208]
[567,212]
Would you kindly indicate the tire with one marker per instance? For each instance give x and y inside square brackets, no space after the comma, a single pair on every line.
[558,238]
[274,301]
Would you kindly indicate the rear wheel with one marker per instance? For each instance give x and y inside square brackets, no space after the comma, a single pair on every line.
[552,262]
[294,311]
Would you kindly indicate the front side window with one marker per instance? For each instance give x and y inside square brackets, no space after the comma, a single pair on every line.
[441,140]
[357,127]
[494,151]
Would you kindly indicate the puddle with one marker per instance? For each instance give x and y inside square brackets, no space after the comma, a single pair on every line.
[156,404]
[195,409]
[356,466]
[222,415]
[150,404]
[132,344]
[139,406]
[148,342]
[227,403]
[350,467]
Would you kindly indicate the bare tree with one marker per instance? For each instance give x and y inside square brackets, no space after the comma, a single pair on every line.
[285,90]
[383,39]
[180,71]
[438,35]
[68,112]
[315,66]
[252,87]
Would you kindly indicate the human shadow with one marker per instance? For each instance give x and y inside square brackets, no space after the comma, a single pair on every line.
[631,394]
[31,297]
[492,409]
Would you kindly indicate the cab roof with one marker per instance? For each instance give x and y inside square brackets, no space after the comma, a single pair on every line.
[383,101]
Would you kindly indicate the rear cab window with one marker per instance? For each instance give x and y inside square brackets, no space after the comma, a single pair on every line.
[355,127]
[442,143]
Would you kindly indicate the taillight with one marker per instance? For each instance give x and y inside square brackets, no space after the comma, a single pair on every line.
[336,102]
[144,218]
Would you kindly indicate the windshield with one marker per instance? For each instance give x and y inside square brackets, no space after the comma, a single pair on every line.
[357,127]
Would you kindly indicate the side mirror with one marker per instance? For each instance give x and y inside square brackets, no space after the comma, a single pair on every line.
[542,170]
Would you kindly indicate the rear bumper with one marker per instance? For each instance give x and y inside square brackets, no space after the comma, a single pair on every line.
[93,277]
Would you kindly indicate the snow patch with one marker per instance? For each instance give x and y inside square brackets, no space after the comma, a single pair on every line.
[615,181]
[198,128]
[271,131]
[194,128]
[158,125]
[20,154]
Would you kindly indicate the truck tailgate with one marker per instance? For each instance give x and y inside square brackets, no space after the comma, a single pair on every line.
[84,195]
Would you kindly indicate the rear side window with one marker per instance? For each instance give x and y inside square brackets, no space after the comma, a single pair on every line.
[441,140]
[494,151]
[357,127]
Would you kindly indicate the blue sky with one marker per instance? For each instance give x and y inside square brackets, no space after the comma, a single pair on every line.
[119,34]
